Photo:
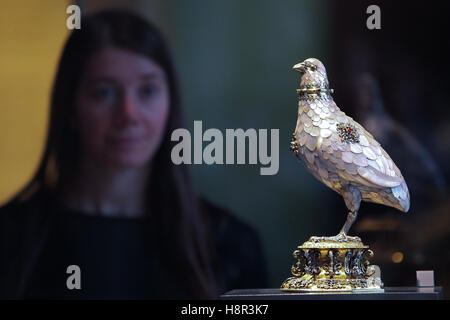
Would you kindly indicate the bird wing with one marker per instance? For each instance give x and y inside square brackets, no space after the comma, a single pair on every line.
[364,162]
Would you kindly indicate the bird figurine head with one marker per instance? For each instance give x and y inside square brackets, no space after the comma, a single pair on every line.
[313,73]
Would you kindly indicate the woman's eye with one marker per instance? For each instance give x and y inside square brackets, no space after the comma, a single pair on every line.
[147,91]
[104,93]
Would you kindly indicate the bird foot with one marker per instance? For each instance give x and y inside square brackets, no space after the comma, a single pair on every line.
[341,237]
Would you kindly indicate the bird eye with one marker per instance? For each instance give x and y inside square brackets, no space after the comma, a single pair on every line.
[313,67]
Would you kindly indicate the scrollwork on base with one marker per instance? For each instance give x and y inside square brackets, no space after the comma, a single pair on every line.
[324,265]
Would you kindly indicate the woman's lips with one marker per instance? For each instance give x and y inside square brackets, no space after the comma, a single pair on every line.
[126,142]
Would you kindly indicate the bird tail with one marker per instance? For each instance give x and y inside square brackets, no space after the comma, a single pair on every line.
[401,194]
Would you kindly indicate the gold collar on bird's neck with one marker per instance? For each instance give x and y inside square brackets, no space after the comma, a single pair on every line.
[313,92]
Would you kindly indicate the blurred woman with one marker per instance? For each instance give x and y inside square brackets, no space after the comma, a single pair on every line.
[106,196]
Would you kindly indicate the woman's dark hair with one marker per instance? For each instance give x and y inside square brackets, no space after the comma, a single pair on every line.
[171,201]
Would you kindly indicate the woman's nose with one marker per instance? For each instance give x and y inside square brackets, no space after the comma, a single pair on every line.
[127,109]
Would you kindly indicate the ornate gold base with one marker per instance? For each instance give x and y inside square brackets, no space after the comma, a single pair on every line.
[332,264]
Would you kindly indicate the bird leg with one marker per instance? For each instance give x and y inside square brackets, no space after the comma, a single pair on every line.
[351,217]
[352,198]
[342,235]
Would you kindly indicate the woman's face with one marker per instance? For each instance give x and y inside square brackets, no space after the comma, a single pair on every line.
[122,107]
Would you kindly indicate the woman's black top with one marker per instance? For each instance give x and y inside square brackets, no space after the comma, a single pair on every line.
[97,257]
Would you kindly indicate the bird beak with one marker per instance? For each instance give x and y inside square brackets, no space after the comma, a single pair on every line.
[300,67]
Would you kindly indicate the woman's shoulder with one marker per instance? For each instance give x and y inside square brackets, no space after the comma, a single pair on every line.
[13,209]
[23,216]
[18,206]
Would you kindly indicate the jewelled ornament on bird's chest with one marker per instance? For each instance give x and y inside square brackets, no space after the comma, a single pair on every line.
[347,133]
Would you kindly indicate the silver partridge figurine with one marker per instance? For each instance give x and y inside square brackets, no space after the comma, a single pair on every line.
[339,152]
